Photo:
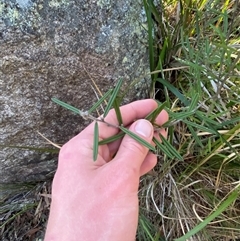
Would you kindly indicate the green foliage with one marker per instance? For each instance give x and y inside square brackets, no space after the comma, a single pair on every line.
[194,55]
[231,199]
[100,101]
[193,192]
[114,102]
[67,106]
[113,99]
[137,138]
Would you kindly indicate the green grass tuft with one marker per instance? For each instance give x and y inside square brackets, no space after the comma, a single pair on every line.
[197,61]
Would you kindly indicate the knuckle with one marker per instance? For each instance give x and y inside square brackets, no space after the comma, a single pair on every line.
[136,147]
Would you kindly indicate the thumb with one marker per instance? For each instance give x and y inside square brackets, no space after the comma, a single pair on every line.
[131,153]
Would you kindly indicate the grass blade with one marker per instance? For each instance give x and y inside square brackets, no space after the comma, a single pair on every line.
[95,142]
[137,138]
[65,105]
[99,102]
[113,97]
[227,138]
[181,115]
[150,36]
[194,102]
[231,121]
[163,148]
[208,120]
[32,148]
[200,127]
[171,149]
[146,230]
[175,91]
[231,198]
[195,136]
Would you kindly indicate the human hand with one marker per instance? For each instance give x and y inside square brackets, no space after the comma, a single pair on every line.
[98,201]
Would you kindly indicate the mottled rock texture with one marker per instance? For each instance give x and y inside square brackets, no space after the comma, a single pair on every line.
[47,47]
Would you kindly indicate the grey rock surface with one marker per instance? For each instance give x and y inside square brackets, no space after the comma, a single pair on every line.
[50,48]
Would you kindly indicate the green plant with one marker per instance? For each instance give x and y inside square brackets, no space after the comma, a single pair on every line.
[112,102]
[194,58]
[193,192]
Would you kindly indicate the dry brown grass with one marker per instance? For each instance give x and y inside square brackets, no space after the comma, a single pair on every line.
[24,213]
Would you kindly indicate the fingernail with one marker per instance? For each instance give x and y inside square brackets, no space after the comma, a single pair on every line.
[144,128]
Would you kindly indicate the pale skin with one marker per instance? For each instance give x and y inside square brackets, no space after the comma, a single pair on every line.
[99,200]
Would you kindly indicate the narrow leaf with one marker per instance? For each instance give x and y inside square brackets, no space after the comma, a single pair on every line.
[31,148]
[114,95]
[95,142]
[231,121]
[231,198]
[117,111]
[195,136]
[150,35]
[200,127]
[146,230]
[65,105]
[170,123]
[208,119]
[177,117]
[149,116]
[181,115]
[227,138]
[163,148]
[194,102]
[153,115]
[171,149]
[175,91]
[99,102]
[137,138]
[112,138]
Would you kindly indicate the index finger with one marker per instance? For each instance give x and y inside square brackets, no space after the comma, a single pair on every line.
[130,112]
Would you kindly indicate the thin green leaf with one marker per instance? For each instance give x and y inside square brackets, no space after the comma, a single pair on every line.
[65,105]
[181,115]
[175,91]
[208,119]
[137,138]
[177,117]
[170,123]
[95,142]
[32,148]
[200,127]
[117,111]
[225,139]
[231,121]
[149,116]
[191,64]
[154,11]
[195,136]
[153,115]
[112,138]
[163,148]
[231,198]
[171,149]
[113,97]
[194,102]
[146,230]
[150,36]
[99,102]
[163,51]
[24,209]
